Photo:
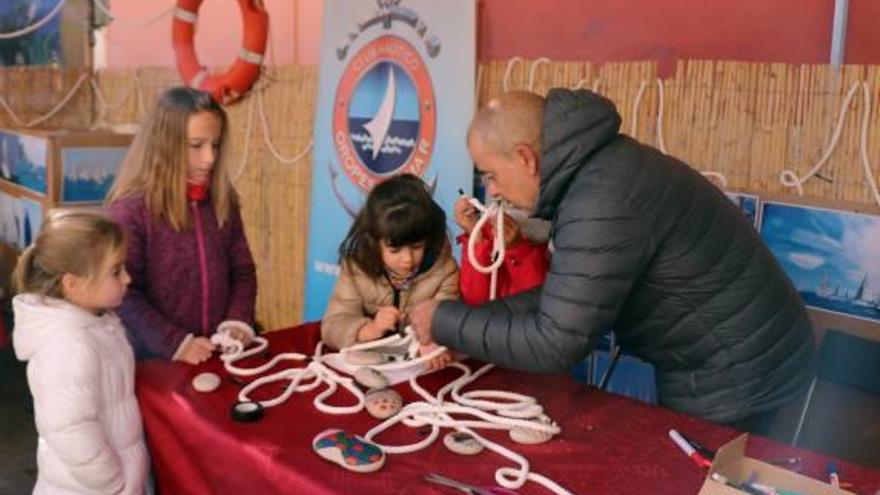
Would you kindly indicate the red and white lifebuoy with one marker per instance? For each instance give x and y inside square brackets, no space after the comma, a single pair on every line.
[244,72]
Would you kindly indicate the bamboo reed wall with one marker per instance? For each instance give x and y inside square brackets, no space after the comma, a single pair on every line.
[746,121]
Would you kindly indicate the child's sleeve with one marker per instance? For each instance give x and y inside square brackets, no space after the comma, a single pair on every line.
[474,285]
[65,382]
[242,273]
[148,328]
[345,315]
[449,284]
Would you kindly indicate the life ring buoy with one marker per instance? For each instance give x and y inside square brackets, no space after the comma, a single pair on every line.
[244,72]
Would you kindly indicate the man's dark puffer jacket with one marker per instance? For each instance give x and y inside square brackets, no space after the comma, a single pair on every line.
[647,246]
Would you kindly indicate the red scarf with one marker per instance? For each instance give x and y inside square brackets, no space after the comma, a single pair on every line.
[196,192]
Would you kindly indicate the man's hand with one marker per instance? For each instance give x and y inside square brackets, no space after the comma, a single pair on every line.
[512,234]
[438,362]
[420,317]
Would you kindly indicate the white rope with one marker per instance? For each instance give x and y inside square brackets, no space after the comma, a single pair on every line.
[661,144]
[51,113]
[510,412]
[434,411]
[498,249]
[789,178]
[510,63]
[104,105]
[409,342]
[534,68]
[636,106]
[9,110]
[580,84]
[247,140]
[722,180]
[37,25]
[863,152]
[139,23]
[316,371]
[264,121]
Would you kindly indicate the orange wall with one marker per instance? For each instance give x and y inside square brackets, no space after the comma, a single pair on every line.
[795,31]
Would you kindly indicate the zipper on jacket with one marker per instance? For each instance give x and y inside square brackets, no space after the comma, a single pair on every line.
[203,265]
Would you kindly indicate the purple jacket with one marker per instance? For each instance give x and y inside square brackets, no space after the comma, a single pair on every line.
[183,282]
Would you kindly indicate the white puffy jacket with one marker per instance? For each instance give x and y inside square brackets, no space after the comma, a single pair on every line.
[81,374]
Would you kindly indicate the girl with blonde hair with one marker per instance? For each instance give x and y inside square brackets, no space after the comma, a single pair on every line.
[191,268]
[80,365]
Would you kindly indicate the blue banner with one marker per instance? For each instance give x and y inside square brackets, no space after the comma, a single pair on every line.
[396,94]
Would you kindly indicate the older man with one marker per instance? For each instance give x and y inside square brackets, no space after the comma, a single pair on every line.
[644,245]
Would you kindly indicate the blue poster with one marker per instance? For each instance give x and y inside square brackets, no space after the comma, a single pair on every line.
[396,94]
[829,255]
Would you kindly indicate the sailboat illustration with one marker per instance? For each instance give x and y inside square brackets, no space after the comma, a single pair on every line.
[380,124]
[862,296]
[824,287]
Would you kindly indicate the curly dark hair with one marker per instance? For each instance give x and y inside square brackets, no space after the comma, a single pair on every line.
[399,210]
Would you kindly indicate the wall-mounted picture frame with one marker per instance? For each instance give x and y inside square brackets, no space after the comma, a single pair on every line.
[23,160]
[20,219]
[750,205]
[88,173]
[831,256]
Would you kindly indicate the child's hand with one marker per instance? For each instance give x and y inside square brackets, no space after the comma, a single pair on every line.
[465,214]
[197,351]
[438,362]
[512,234]
[385,319]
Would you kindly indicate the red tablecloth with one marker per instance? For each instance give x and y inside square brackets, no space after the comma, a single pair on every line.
[609,444]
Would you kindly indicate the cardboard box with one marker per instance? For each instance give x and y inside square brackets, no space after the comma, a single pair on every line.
[731,462]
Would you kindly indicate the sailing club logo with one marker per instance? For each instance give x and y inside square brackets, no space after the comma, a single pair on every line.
[384,110]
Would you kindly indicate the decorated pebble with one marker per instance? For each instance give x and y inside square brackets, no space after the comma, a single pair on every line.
[364,358]
[383,403]
[349,451]
[462,443]
[532,436]
[206,382]
[370,378]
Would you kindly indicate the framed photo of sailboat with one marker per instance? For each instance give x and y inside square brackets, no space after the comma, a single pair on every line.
[831,256]
[88,173]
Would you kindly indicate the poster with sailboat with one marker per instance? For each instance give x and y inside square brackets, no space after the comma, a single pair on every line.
[832,256]
[395,96]
[89,173]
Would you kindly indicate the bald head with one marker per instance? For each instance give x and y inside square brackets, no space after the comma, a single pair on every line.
[511,119]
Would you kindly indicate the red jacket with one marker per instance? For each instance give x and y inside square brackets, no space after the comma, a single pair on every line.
[525,266]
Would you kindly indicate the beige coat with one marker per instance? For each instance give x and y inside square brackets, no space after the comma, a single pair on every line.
[357,297]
